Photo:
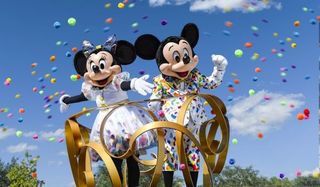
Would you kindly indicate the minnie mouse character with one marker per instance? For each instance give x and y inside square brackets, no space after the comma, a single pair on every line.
[104,83]
[179,76]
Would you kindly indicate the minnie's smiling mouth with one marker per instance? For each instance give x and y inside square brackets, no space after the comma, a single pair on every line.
[101,82]
[183,74]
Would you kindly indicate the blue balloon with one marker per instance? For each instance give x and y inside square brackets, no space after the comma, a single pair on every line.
[57,24]
[68,54]
[232,161]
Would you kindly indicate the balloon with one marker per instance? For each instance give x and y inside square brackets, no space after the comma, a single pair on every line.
[296,23]
[228,24]
[57,24]
[300,116]
[121,5]
[109,20]
[257,70]
[72,21]
[251,92]
[19,134]
[238,53]
[248,44]
[234,141]
[22,110]
[164,22]
[52,58]
[260,135]
[232,161]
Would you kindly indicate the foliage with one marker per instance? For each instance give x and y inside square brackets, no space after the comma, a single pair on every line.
[309,181]
[24,173]
[102,178]
[4,169]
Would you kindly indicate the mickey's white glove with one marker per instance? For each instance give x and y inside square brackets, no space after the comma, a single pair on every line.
[219,61]
[141,86]
[63,106]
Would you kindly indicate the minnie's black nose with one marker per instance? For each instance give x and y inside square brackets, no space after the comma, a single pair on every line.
[186,59]
[96,69]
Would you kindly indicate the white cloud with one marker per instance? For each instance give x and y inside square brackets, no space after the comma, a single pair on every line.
[55,163]
[21,147]
[62,153]
[254,114]
[308,173]
[224,5]
[29,134]
[5,133]
[57,133]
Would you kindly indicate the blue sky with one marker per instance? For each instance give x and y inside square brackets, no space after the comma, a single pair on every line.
[28,36]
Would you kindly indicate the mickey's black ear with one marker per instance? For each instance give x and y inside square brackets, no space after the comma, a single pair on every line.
[125,52]
[79,63]
[146,46]
[190,32]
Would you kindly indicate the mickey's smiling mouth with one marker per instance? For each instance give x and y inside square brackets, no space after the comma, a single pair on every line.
[183,74]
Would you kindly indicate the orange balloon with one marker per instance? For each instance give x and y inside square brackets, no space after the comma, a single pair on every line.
[52,58]
[318,18]
[34,174]
[296,23]
[300,116]
[258,70]
[74,49]
[248,44]
[231,89]
[228,24]
[236,81]
[22,110]
[109,20]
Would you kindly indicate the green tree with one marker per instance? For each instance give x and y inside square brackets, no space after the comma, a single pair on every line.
[276,182]
[4,170]
[309,181]
[102,179]
[24,173]
[237,176]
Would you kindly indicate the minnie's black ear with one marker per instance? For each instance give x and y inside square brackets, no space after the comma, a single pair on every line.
[146,46]
[79,63]
[190,32]
[125,52]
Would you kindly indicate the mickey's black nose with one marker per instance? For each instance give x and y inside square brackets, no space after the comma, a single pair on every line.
[186,59]
[96,69]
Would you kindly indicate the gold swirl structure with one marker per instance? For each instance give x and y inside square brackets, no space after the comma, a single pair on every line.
[214,152]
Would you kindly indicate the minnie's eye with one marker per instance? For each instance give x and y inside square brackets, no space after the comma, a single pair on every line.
[102,63]
[93,66]
[176,56]
[185,52]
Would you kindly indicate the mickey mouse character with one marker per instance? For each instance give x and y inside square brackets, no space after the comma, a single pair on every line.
[179,76]
[104,83]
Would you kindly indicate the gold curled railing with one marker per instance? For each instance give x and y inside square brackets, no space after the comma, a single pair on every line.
[214,152]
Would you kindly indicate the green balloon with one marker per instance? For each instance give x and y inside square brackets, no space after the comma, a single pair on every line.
[238,53]
[72,21]
[251,92]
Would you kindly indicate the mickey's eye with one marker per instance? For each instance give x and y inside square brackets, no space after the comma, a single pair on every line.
[185,52]
[102,63]
[176,56]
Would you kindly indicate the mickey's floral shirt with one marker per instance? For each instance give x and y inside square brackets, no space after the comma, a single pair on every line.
[175,89]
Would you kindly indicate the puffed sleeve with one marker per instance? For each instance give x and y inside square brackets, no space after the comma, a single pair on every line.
[156,94]
[119,78]
[87,91]
[210,82]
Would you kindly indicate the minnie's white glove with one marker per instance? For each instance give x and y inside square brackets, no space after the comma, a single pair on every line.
[63,106]
[140,85]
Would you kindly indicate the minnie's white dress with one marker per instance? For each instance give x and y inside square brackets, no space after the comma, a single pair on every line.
[123,122]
